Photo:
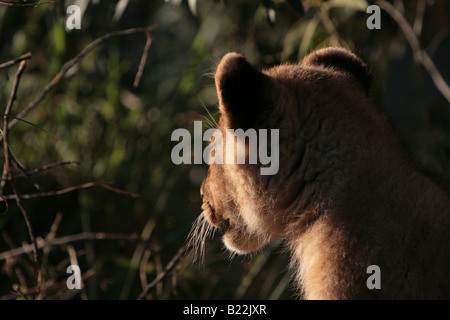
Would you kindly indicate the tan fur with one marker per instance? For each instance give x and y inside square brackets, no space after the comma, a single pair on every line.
[346,196]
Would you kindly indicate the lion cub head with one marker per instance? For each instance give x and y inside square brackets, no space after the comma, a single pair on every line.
[253,209]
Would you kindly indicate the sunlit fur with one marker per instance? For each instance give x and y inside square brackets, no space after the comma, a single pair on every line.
[346,195]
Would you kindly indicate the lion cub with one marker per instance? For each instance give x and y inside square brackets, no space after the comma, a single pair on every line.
[346,195]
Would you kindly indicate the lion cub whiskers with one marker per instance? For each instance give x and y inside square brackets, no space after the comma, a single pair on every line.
[200,231]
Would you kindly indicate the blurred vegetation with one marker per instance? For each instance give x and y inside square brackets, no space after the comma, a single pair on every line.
[120,135]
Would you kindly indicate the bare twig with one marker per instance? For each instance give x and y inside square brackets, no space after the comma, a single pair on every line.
[172,264]
[17,289]
[7,152]
[6,205]
[12,158]
[20,276]
[28,174]
[175,274]
[17,162]
[27,248]
[7,238]
[420,55]
[143,60]
[159,269]
[10,63]
[71,189]
[418,20]
[49,285]
[47,167]
[143,268]
[46,251]
[54,227]
[9,172]
[398,4]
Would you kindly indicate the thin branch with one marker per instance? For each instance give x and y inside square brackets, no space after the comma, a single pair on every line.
[172,264]
[418,20]
[159,269]
[46,251]
[9,172]
[175,274]
[10,63]
[54,227]
[143,268]
[17,289]
[6,205]
[47,167]
[41,243]
[12,158]
[420,55]
[19,165]
[398,4]
[71,63]
[71,189]
[7,152]
[28,174]
[143,60]
[47,286]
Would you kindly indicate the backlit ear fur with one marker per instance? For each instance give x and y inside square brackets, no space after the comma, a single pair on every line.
[242,90]
[341,60]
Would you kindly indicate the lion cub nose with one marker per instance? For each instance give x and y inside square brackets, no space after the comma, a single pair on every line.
[213,217]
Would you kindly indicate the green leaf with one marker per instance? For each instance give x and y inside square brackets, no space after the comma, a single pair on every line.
[59,39]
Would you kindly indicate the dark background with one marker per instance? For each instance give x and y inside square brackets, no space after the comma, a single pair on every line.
[120,135]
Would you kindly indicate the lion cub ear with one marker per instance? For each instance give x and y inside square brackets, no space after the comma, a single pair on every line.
[242,90]
[342,60]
